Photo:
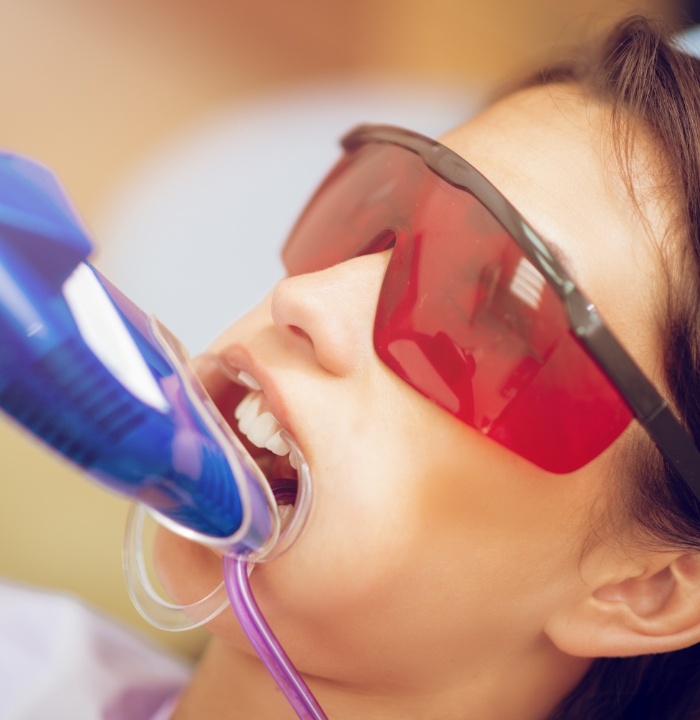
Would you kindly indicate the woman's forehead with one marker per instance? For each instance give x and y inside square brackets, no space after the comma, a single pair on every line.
[548,149]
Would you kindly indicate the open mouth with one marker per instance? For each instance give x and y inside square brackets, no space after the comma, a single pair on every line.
[242,404]
[247,409]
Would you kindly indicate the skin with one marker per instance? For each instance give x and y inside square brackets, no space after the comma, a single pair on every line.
[437,569]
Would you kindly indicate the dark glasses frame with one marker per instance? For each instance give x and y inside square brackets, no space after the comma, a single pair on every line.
[648,406]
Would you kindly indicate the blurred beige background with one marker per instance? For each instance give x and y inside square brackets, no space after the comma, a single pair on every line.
[90,87]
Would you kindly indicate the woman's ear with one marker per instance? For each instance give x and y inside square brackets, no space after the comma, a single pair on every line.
[649,604]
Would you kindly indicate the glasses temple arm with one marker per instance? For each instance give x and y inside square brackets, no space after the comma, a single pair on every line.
[649,408]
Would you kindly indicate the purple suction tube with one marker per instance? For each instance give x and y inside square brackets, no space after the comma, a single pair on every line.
[261,636]
[266,644]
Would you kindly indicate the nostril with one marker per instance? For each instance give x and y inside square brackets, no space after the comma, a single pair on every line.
[300,337]
[300,332]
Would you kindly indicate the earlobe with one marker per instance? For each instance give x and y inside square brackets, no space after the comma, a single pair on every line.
[655,609]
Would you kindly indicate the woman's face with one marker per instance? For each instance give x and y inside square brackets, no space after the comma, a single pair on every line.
[428,545]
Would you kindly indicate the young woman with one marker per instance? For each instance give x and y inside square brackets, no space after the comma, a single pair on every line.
[475,551]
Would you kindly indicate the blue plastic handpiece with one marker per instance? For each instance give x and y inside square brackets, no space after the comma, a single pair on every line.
[89,373]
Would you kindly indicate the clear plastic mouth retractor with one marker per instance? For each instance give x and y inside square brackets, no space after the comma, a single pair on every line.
[166,614]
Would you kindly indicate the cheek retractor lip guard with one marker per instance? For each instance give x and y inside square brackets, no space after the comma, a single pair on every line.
[108,387]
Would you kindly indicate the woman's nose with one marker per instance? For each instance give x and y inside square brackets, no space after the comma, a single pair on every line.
[332,311]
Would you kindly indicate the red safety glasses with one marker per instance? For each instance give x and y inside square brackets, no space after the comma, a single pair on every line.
[475,312]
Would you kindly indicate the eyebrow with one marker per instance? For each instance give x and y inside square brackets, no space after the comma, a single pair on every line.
[560,255]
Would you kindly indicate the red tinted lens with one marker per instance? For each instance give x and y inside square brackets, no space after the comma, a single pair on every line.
[463,316]
[365,198]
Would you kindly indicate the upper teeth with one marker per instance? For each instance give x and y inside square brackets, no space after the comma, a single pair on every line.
[248,380]
[259,425]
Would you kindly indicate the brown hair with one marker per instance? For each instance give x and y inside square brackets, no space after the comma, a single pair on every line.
[645,78]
